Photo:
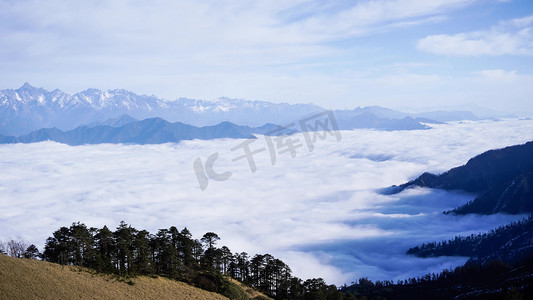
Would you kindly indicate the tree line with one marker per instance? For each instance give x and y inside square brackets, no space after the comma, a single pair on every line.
[176,254]
[19,248]
[480,245]
[495,280]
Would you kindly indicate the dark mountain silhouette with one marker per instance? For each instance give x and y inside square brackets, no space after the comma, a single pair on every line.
[513,196]
[148,131]
[503,257]
[511,243]
[493,281]
[501,178]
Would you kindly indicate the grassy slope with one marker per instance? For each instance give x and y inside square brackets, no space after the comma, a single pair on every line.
[32,279]
[248,291]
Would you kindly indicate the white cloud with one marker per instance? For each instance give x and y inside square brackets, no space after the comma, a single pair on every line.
[513,37]
[368,17]
[497,74]
[373,12]
[288,51]
[319,212]
[162,46]
[520,22]
[179,29]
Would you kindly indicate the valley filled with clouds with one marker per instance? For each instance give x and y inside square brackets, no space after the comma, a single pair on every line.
[321,212]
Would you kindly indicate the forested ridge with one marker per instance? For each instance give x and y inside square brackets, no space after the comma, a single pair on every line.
[175,254]
[128,252]
[495,280]
[509,243]
[500,267]
[502,179]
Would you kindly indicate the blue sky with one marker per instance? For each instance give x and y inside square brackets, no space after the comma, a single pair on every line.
[407,54]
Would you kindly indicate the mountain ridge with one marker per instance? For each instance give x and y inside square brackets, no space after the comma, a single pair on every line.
[147,131]
[501,178]
[30,108]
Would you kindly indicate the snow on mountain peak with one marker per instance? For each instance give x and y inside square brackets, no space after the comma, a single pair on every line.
[24,109]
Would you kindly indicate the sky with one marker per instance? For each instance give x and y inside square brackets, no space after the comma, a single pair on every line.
[406,54]
[321,212]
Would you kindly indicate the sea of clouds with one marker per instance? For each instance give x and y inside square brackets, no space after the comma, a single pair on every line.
[321,211]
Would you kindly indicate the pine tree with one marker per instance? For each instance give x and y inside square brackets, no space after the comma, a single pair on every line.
[32,252]
[142,261]
[210,239]
[105,250]
[124,246]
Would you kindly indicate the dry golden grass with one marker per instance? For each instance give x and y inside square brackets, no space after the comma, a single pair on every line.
[32,279]
[250,292]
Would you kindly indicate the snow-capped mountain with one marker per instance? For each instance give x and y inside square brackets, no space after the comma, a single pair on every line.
[30,108]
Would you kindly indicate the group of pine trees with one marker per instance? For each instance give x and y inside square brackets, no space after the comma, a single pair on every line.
[484,244]
[495,280]
[176,254]
[172,253]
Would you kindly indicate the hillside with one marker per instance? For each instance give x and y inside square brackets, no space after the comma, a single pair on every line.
[511,244]
[495,280]
[32,279]
[501,178]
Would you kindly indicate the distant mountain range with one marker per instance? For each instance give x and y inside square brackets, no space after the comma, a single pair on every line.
[425,117]
[28,108]
[502,179]
[371,121]
[148,131]
[128,130]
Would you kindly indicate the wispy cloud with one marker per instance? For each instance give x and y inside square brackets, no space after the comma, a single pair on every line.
[319,212]
[296,51]
[497,74]
[150,43]
[511,37]
[170,27]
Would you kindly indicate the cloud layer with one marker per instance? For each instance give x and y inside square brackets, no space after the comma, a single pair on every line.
[514,37]
[336,54]
[319,212]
